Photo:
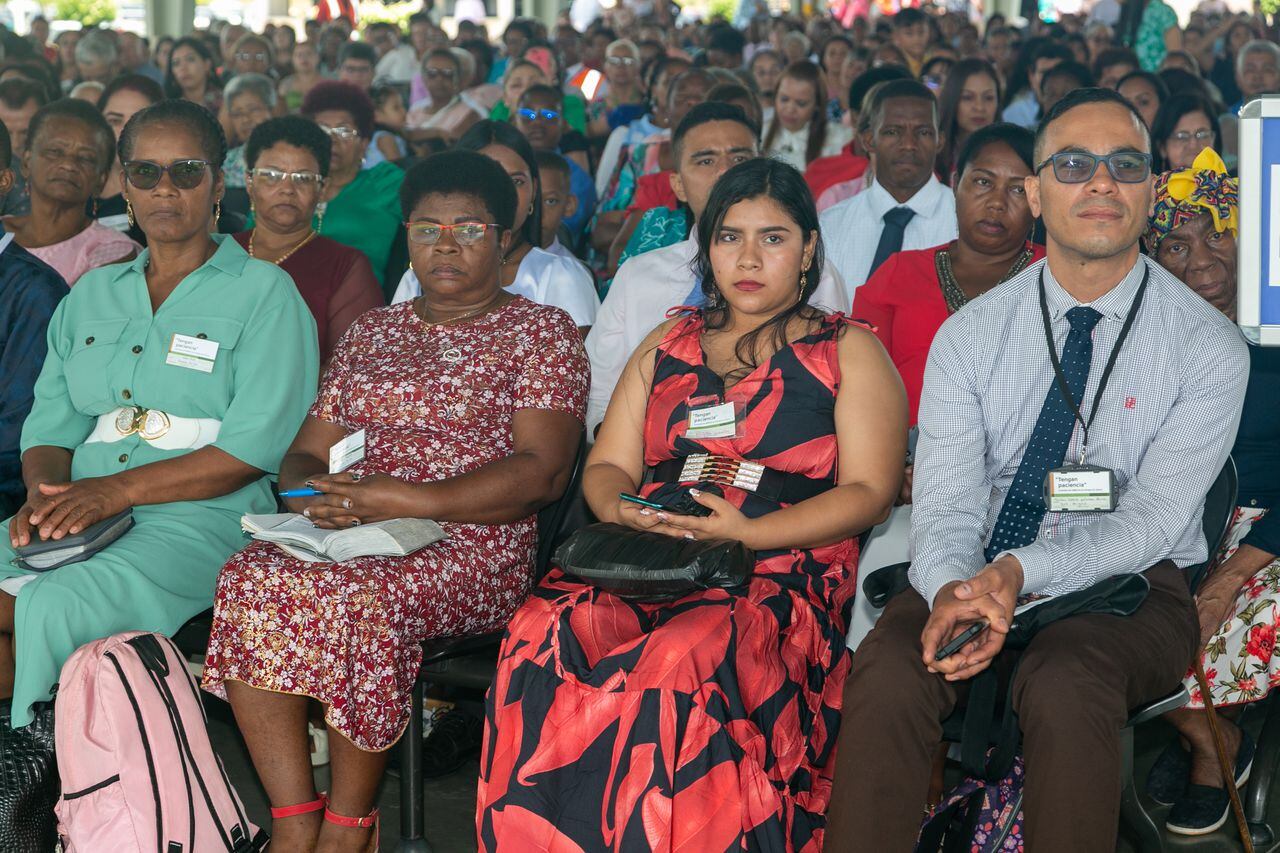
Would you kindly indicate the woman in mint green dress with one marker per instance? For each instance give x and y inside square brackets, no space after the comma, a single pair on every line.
[213,354]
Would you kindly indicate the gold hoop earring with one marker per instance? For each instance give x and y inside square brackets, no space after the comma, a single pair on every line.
[128,212]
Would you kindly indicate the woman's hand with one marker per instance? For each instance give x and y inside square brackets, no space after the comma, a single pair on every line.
[639,517]
[351,499]
[54,510]
[725,522]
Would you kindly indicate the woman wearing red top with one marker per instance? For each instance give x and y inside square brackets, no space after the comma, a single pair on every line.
[912,293]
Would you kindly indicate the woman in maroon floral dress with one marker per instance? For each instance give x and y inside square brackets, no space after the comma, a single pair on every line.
[708,723]
[472,402]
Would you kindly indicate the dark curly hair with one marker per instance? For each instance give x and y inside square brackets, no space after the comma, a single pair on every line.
[293,130]
[461,172]
[336,95]
[202,124]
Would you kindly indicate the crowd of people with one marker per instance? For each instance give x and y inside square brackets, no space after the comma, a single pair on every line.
[913,262]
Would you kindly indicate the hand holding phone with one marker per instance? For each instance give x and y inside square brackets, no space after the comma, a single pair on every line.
[961,640]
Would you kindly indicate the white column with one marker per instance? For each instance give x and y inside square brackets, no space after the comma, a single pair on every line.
[170,17]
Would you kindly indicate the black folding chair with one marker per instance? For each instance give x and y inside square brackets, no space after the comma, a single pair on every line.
[471,662]
[1134,818]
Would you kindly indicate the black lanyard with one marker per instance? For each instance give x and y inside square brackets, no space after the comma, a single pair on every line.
[1111,362]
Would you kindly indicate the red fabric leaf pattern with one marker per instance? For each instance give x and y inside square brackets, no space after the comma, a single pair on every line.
[523,831]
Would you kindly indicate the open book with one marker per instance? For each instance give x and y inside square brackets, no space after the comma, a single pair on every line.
[396,537]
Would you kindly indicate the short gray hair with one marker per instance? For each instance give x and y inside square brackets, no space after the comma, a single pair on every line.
[251,84]
[96,46]
[1253,46]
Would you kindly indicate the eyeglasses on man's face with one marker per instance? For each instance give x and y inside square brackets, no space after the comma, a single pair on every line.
[535,115]
[1076,167]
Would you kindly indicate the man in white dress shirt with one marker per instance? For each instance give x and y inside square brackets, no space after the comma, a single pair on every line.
[710,140]
[906,207]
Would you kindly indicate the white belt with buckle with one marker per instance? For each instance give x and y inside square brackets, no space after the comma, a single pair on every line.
[159,429]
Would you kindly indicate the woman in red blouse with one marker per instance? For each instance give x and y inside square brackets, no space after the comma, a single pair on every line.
[912,293]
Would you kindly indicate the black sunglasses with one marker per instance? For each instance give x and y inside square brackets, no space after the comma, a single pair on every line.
[1076,167]
[185,174]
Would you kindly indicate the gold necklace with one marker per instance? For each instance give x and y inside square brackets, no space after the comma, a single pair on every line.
[280,260]
[465,315]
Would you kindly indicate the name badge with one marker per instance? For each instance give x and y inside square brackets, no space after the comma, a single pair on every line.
[347,452]
[1080,488]
[192,353]
[712,419]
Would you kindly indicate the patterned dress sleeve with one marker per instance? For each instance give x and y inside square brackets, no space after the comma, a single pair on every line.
[555,375]
[328,404]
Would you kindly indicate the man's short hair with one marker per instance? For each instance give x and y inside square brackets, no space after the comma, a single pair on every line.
[358,51]
[96,46]
[867,80]
[17,92]
[874,106]
[1075,70]
[727,40]
[1080,98]
[550,161]
[1252,46]
[707,112]
[909,17]
[1114,56]
[542,90]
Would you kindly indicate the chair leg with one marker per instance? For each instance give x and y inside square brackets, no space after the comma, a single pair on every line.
[1147,837]
[412,809]
[1264,773]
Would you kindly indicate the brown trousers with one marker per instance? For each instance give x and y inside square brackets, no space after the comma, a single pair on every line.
[1073,691]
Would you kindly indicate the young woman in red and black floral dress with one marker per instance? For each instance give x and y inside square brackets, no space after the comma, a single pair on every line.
[709,721]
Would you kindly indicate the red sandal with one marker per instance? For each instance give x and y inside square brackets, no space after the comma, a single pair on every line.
[371,819]
[315,805]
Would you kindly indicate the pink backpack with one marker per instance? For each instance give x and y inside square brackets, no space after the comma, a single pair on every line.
[138,771]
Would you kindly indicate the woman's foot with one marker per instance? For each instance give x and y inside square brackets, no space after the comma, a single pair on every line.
[1206,805]
[343,834]
[296,829]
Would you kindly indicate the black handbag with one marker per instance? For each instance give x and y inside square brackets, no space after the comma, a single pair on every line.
[647,566]
[28,782]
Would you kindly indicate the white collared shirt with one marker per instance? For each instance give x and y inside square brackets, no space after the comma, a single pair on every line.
[646,287]
[543,278]
[851,229]
[790,146]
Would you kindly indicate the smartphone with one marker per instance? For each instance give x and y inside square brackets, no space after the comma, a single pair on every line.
[961,640]
[636,499]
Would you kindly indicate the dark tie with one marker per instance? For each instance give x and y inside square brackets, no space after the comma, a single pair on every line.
[895,226]
[1023,510]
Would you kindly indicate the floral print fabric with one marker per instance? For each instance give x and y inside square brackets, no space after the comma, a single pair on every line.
[1240,661]
[706,723]
[435,402]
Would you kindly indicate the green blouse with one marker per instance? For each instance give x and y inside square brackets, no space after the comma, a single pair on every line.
[108,349]
[365,214]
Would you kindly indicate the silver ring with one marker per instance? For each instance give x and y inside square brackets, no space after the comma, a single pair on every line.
[346,503]
[355,478]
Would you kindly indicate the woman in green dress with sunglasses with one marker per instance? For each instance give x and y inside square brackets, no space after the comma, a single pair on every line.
[213,354]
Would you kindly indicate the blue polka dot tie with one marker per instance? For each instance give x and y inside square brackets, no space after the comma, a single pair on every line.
[1023,510]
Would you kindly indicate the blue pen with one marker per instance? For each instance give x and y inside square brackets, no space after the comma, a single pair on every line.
[300,493]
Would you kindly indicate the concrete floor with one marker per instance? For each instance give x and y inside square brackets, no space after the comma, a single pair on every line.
[450,801]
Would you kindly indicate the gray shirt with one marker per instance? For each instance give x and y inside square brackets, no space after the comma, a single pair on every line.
[1166,424]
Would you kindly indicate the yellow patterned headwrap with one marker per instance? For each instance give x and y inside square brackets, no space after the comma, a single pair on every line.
[1182,196]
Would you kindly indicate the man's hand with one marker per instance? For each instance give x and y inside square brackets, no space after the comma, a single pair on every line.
[992,595]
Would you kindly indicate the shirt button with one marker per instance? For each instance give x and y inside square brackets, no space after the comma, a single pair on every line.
[202,336]
[1253,502]
[125,393]
[124,457]
[137,349]
[88,340]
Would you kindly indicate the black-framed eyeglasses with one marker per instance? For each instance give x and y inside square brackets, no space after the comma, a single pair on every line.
[464,233]
[185,174]
[433,73]
[275,177]
[534,115]
[1076,167]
